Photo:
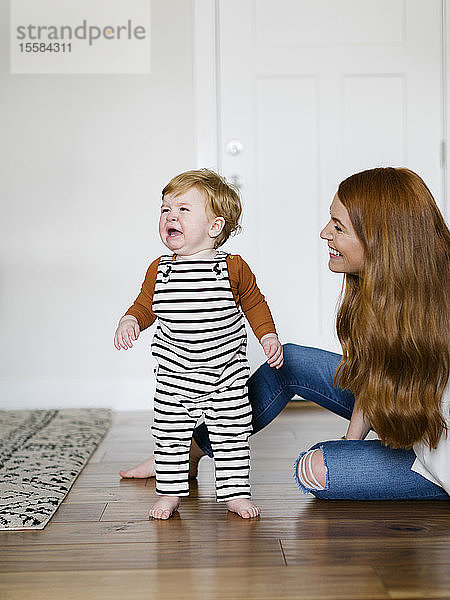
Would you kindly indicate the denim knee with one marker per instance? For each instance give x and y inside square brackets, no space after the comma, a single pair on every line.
[304,360]
[367,470]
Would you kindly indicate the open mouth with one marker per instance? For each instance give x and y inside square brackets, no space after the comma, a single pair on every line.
[334,252]
[172,232]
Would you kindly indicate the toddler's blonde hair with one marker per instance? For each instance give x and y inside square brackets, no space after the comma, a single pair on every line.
[221,198]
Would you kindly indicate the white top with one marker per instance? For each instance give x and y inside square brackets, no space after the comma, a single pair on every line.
[434,465]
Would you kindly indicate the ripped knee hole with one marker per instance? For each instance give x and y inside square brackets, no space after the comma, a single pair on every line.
[306,476]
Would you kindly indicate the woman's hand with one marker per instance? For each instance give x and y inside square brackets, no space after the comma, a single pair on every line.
[127,330]
[272,349]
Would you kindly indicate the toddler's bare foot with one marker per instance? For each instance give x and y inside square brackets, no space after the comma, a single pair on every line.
[147,467]
[243,507]
[142,471]
[165,507]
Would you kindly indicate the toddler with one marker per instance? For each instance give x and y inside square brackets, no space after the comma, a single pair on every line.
[197,293]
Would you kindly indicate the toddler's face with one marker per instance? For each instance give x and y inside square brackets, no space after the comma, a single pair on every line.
[184,225]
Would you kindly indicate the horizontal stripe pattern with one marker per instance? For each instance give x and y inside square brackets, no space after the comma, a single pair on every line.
[200,347]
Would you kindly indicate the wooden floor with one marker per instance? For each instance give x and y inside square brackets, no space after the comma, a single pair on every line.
[101,545]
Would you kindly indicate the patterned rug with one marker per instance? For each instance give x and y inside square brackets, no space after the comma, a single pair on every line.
[41,454]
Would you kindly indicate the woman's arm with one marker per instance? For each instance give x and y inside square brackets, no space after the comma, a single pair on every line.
[359,425]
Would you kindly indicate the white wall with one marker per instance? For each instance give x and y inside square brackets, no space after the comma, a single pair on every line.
[84,158]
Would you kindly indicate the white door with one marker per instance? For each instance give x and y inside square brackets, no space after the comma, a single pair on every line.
[314,91]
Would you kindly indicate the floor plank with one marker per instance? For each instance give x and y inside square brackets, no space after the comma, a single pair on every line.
[379,552]
[154,555]
[72,513]
[220,583]
[417,580]
[205,509]
[226,526]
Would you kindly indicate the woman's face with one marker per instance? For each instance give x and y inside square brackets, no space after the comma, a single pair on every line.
[346,250]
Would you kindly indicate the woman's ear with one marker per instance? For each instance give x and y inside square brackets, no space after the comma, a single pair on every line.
[216,227]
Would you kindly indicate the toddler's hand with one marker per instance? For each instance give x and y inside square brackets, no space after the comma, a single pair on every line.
[127,330]
[273,350]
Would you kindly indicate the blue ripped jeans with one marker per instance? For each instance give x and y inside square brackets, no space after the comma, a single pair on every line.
[356,470]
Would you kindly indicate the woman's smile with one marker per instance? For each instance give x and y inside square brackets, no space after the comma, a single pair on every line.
[334,253]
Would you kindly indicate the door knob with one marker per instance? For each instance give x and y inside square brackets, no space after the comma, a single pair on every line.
[234,147]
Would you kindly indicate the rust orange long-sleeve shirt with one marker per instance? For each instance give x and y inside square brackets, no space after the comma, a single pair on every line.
[243,285]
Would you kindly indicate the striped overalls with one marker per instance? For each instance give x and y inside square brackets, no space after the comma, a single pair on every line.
[200,347]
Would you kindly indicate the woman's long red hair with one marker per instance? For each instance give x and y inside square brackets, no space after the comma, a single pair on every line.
[393,319]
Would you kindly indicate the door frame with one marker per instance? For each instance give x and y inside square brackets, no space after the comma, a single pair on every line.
[445,91]
[206,83]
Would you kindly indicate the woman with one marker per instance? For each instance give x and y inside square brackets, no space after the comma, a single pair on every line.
[387,236]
